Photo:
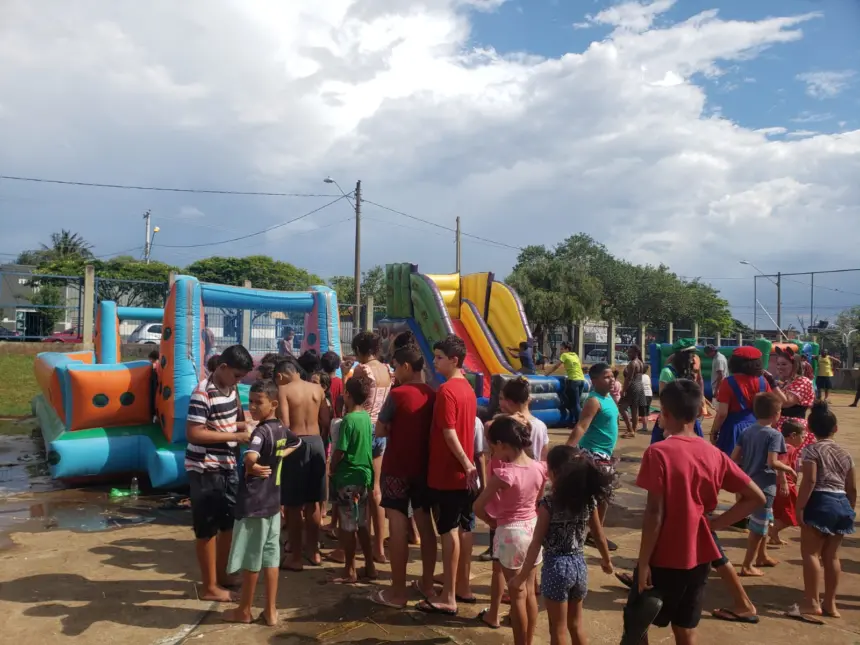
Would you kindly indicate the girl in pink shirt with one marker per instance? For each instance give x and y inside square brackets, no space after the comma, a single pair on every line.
[509,505]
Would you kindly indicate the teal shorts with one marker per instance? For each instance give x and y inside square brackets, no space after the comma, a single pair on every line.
[255,544]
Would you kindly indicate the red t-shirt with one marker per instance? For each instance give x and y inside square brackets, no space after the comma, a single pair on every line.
[689,472]
[456,407]
[749,387]
[336,392]
[408,411]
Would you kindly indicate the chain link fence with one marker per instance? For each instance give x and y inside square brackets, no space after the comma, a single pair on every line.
[42,307]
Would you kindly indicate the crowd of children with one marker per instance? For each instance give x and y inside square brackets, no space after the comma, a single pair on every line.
[376,442]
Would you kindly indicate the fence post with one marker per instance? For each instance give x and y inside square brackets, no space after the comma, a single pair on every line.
[642,333]
[610,339]
[671,333]
[580,339]
[740,339]
[171,278]
[719,339]
[246,322]
[696,332]
[89,305]
[368,316]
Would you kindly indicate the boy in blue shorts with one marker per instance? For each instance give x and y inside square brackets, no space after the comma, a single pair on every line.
[757,452]
[257,528]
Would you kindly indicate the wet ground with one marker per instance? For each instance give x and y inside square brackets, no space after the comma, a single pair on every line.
[78,565]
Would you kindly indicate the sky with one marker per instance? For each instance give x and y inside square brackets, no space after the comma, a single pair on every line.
[695,134]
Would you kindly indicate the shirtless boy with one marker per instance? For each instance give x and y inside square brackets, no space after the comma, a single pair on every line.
[302,408]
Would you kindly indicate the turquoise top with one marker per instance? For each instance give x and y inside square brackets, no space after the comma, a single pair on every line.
[602,434]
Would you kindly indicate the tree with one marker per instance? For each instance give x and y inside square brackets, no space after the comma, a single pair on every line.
[64,245]
[49,299]
[742,328]
[261,270]
[554,291]
[372,284]
[31,258]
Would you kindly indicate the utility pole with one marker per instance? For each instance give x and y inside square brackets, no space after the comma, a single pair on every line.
[779,300]
[755,306]
[147,242]
[811,299]
[357,323]
[458,245]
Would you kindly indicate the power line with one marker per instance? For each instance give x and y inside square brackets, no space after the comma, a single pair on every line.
[245,237]
[446,228]
[163,189]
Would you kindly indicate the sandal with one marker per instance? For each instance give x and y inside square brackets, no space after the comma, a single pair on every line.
[481,615]
[378,598]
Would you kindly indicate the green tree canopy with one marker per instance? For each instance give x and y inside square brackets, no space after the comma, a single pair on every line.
[372,284]
[64,245]
[261,270]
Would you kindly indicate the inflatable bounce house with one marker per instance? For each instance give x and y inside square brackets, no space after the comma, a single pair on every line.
[659,354]
[101,417]
[485,313]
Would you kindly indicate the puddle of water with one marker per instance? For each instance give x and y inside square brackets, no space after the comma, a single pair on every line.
[23,467]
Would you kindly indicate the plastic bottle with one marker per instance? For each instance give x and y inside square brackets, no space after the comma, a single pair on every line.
[134,489]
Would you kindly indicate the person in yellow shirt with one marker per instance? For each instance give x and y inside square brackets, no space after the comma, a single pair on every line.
[575,383]
[824,381]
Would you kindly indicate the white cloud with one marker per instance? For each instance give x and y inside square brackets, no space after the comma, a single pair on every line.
[190,212]
[826,85]
[617,141]
[812,117]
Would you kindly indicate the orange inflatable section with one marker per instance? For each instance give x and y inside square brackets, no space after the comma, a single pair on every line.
[164,408]
[109,398]
[49,380]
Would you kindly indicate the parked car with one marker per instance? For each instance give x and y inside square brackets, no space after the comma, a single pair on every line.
[148,333]
[600,356]
[10,335]
[65,336]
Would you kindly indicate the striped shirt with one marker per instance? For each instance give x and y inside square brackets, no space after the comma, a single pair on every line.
[218,412]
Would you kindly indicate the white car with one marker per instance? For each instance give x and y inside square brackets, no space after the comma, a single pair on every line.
[148,333]
[599,356]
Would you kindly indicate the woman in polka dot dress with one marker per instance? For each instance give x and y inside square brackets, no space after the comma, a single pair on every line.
[799,394]
[564,517]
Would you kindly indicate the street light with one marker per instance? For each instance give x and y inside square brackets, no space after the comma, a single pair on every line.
[357,206]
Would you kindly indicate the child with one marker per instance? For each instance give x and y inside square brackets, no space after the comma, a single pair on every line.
[257,528]
[683,476]
[330,363]
[213,430]
[784,503]
[645,412]
[825,503]
[757,452]
[597,430]
[509,502]
[615,390]
[451,471]
[405,421]
[578,487]
[525,354]
[302,406]
[352,476]
[514,400]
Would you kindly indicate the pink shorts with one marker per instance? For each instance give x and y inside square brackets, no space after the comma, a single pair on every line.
[511,543]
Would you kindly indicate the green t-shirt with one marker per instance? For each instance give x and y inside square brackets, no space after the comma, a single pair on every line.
[355,438]
[572,365]
[667,375]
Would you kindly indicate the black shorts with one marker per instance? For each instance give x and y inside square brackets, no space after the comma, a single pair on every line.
[452,509]
[723,560]
[213,500]
[399,493]
[303,474]
[824,382]
[682,592]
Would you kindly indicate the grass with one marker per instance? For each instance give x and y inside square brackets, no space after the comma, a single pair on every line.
[17,385]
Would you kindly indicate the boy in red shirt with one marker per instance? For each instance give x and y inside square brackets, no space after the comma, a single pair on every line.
[405,420]
[683,476]
[329,363]
[451,474]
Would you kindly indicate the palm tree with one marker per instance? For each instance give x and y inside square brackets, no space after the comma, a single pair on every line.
[66,245]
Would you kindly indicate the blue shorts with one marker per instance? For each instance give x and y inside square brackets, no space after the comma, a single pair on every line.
[761,519]
[564,577]
[378,446]
[829,513]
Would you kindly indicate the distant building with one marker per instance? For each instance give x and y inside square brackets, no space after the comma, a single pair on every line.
[17,311]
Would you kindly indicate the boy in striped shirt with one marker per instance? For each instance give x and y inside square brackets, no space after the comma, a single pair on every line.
[213,432]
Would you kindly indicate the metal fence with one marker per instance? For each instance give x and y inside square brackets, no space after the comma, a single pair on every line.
[40,307]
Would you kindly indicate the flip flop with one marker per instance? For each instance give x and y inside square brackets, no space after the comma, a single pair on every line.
[731,617]
[809,619]
[417,587]
[467,601]
[377,598]
[625,578]
[480,617]
[429,608]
